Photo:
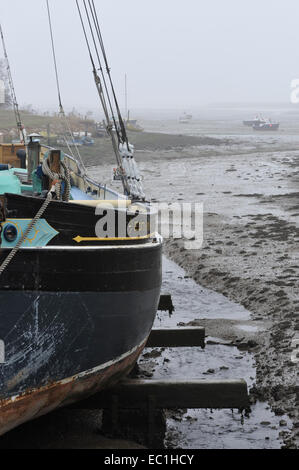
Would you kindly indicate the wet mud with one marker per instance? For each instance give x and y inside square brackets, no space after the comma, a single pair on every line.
[249,190]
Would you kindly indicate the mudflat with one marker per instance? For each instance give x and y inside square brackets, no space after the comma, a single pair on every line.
[250,193]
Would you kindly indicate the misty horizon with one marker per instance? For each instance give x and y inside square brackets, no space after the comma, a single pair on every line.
[176,57]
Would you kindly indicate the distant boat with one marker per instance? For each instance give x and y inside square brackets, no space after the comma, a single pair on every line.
[133,126]
[185,118]
[266,126]
[101,129]
[77,141]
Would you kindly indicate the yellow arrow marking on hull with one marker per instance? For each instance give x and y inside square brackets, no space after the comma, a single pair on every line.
[79,239]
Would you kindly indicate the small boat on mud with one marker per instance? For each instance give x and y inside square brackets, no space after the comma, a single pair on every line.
[266,125]
[185,118]
[133,126]
[101,130]
[259,123]
[80,272]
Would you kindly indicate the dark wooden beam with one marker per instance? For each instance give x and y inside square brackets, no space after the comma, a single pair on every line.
[171,394]
[177,338]
[165,304]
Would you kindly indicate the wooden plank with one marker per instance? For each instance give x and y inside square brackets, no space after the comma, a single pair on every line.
[177,338]
[172,394]
[165,303]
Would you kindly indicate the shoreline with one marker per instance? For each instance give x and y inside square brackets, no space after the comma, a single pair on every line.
[250,252]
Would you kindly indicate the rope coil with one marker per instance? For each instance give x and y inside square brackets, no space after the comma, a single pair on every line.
[59,178]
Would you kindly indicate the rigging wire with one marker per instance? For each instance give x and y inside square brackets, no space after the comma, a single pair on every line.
[127,168]
[13,92]
[61,109]
[102,72]
[102,96]
[108,69]
[54,57]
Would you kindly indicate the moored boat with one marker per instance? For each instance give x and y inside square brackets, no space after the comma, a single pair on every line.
[266,126]
[80,276]
[133,126]
[185,118]
[259,123]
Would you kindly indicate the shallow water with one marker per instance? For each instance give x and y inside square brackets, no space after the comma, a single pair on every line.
[220,429]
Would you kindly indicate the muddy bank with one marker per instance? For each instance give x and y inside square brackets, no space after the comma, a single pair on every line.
[231,336]
[249,190]
[269,298]
[148,144]
[228,358]
[250,251]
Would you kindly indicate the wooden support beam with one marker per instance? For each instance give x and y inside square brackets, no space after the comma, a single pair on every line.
[54,163]
[172,394]
[177,338]
[165,304]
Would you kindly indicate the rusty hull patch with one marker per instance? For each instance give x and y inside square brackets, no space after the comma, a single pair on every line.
[35,403]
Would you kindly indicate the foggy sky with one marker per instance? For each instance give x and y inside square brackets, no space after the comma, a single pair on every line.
[175,53]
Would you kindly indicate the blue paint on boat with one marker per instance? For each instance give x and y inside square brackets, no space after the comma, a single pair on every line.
[40,235]
[78,195]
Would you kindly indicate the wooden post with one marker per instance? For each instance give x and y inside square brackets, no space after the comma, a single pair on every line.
[165,304]
[33,158]
[54,163]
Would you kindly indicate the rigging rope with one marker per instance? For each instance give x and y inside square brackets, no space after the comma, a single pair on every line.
[108,70]
[102,73]
[101,70]
[63,176]
[101,91]
[54,56]
[61,109]
[127,168]
[13,93]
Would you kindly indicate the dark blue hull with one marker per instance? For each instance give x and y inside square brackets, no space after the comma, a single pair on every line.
[80,337]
